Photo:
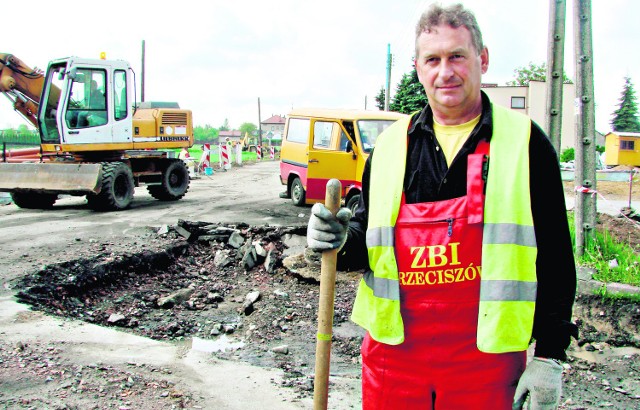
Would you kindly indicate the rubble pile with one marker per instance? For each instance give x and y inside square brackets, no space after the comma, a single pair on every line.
[248,283]
[60,384]
[256,288]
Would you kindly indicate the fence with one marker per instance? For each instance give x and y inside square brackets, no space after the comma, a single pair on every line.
[29,137]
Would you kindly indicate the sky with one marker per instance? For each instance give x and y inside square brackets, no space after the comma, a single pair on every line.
[246,60]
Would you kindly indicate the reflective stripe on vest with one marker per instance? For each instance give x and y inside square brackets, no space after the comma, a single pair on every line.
[508,287]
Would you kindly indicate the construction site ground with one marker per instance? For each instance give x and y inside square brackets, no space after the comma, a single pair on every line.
[158,306]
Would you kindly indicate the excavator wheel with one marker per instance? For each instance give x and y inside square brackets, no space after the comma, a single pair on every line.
[34,200]
[117,187]
[175,182]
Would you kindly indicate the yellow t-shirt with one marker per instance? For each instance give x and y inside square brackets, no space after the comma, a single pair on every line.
[452,137]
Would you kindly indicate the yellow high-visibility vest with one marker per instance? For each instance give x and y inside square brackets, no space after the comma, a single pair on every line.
[508,283]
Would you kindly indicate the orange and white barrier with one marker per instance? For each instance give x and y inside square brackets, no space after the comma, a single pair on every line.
[225,163]
[206,156]
[272,152]
[258,152]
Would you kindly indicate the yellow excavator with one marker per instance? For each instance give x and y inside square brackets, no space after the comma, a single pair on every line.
[95,140]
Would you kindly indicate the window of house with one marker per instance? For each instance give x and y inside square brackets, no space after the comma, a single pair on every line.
[517,102]
[626,145]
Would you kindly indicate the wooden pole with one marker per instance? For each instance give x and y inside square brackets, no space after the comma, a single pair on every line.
[325,307]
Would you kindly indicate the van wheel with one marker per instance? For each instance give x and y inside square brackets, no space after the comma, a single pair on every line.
[352,204]
[297,192]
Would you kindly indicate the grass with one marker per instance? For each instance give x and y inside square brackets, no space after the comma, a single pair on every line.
[196,154]
[613,261]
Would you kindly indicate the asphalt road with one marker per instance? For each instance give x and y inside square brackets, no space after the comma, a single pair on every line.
[248,193]
[30,239]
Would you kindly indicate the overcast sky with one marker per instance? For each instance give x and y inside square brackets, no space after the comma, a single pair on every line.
[218,57]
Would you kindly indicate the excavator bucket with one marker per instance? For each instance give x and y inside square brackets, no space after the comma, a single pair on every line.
[50,177]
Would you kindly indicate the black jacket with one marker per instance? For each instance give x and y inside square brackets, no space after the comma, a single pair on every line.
[427,178]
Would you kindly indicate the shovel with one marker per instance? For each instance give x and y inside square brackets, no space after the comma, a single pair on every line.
[325,307]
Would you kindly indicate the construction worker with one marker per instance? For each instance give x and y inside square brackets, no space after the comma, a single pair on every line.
[184,155]
[462,231]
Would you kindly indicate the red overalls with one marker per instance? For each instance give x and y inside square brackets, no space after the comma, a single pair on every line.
[438,250]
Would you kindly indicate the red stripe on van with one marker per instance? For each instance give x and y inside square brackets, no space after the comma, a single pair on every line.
[318,194]
[286,169]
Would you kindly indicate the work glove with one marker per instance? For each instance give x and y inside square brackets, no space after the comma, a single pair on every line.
[542,381]
[326,231]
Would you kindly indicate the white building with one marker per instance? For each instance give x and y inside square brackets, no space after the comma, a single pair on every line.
[532,100]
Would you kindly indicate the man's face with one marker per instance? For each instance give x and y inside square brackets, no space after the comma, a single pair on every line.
[450,70]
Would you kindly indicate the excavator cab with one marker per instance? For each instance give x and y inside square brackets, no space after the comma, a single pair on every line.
[92,108]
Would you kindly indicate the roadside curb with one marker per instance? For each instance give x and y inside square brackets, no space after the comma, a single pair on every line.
[588,285]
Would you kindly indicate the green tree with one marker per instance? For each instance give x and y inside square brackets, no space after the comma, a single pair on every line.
[625,118]
[225,125]
[380,98]
[410,95]
[24,130]
[533,72]
[10,135]
[205,133]
[248,128]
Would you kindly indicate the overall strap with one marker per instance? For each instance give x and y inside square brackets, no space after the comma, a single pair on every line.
[477,169]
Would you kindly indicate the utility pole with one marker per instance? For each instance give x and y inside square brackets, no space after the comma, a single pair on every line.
[386,96]
[259,125]
[142,75]
[585,173]
[555,72]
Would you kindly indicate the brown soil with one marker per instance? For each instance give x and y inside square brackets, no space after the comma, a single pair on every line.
[625,227]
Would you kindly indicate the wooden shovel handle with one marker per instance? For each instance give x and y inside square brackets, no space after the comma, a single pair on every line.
[325,307]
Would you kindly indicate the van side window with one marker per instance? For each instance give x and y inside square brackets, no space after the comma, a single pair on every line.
[348,125]
[322,133]
[343,141]
[298,130]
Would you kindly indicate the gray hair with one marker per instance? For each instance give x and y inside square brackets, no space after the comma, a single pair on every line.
[455,16]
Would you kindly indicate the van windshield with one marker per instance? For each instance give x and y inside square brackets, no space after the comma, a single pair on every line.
[369,131]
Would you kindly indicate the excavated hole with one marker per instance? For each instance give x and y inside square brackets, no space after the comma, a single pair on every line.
[202,288]
[199,288]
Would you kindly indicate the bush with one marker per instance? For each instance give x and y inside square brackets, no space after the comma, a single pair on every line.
[567,155]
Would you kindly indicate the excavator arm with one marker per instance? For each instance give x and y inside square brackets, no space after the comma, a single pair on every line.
[22,85]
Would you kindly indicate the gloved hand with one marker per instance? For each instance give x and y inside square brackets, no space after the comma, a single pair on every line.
[542,381]
[325,231]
